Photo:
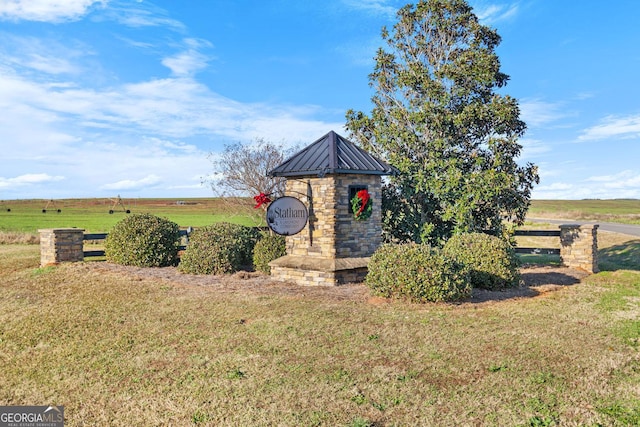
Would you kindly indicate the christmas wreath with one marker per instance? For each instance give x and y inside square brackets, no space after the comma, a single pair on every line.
[361,205]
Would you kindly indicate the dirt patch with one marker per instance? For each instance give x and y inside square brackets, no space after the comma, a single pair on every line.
[537,281]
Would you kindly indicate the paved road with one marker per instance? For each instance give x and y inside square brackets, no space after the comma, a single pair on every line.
[631,230]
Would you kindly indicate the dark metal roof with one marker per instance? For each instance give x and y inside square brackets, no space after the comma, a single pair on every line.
[332,154]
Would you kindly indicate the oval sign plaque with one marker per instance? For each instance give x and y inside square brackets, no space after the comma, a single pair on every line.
[287,216]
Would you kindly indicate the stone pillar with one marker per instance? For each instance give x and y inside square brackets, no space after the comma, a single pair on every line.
[333,248]
[579,246]
[61,245]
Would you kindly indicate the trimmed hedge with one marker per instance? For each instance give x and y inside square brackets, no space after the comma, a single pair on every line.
[143,240]
[417,272]
[492,261]
[268,248]
[218,249]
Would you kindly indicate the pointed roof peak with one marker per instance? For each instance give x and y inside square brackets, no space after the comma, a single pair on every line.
[332,154]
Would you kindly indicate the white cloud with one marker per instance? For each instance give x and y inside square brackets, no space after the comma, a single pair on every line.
[584,95]
[189,61]
[488,13]
[197,186]
[536,112]
[623,180]
[563,191]
[144,14]
[40,55]
[46,10]
[50,65]
[148,138]
[625,184]
[174,108]
[611,126]
[131,138]
[556,186]
[129,184]
[387,8]
[167,107]
[556,190]
[28,179]
[492,13]
[533,147]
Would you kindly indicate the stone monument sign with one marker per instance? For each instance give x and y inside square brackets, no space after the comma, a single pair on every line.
[341,185]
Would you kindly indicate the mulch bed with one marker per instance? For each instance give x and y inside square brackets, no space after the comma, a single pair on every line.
[537,281]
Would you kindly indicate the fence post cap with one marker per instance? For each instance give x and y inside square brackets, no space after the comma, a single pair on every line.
[586,225]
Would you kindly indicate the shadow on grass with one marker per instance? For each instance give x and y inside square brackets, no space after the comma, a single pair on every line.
[537,281]
[540,278]
[620,257]
[542,274]
[540,259]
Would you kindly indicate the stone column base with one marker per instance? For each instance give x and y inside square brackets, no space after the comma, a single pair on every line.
[61,245]
[579,246]
[316,271]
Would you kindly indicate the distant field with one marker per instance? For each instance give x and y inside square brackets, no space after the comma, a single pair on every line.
[625,211]
[27,216]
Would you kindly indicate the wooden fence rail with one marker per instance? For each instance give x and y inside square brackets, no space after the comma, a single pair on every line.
[184,234]
[531,233]
[578,245]
[102,236]
[538,233]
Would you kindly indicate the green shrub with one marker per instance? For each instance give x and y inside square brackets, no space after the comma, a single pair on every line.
[268,248]
[218,249]
[143,240]
[417,272]
[492,261]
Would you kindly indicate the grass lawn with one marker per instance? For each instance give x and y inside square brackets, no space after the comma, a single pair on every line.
[121,350]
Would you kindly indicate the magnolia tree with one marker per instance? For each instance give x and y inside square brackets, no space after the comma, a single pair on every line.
[438,117]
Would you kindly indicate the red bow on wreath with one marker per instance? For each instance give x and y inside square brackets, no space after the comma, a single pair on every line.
[363,195]
[261,199]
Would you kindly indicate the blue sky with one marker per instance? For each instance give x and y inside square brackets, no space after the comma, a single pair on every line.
[135,97]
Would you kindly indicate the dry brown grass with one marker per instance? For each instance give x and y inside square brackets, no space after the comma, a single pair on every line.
[18,238]
[126,349]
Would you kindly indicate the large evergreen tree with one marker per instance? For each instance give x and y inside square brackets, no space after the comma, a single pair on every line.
[438,117]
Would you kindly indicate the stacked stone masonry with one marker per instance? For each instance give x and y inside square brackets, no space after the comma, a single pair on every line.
[61,245]
[309,277]
[332,232]
[579,246]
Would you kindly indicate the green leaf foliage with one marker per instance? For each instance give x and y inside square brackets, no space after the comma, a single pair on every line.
[492,262]
[268,248]
[356,205]
[218,249]
[439,119]
[417,272]
[143,240]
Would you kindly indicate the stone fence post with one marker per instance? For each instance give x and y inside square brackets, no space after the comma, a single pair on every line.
[60,245]
[579,246]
